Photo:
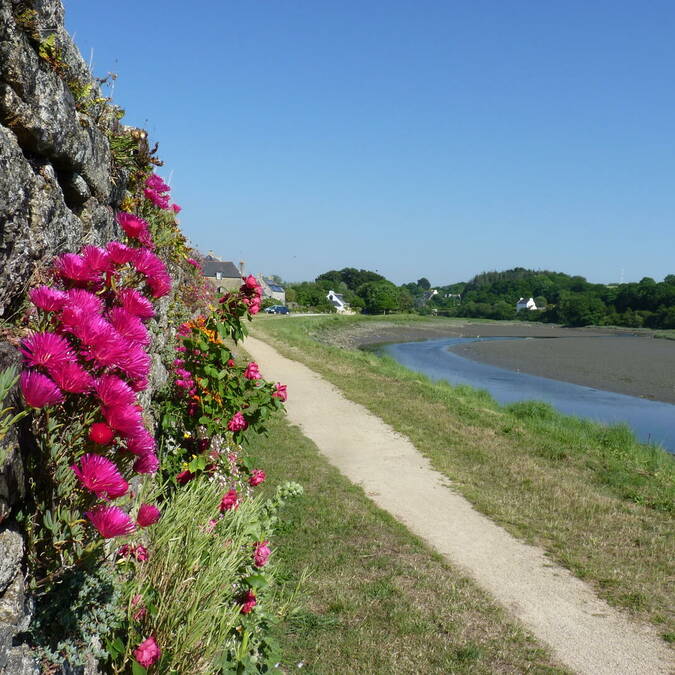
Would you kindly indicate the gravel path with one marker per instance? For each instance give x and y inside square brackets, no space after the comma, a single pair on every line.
[584,632]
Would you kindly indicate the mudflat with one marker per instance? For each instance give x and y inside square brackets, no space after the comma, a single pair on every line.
[603,359]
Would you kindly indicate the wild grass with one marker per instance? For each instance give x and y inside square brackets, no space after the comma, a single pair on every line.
[374,598]
[595,499]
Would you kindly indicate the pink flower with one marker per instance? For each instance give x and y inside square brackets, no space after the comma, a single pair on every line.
[78,298]
[129,326]
[159,200]
[135,303]
[140,614]
[141,553]
[72,377]
[194,263]
[73,267]
[84,326]
[249,602]
[148,514]
[100,475]
[252,372]
[124,418]
[237,423]
[280,392]
[45,349]
[136,599]
[107,348]
[101,433]
[184,477]
[47,298]
[147,652]
[261,554]
[184,329]
[250,282]
[147,463]
[154,182]
[147,263]
[112,391]
[135,362]
[97,259]
[141,443]
[230,363]
[110,521]
[160,285]
[132,225]
[211,525]
[38,390]
[119,253]
[229,501]
[177,209]
[257,477]
[126,550]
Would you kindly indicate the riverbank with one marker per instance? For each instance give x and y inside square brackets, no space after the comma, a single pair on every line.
[613,360]
[599,503]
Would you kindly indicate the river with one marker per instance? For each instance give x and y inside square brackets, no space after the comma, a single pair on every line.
[651,421]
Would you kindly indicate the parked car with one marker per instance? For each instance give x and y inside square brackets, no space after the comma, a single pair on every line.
[278,309]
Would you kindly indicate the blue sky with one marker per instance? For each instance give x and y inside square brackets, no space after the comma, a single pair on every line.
[417,138]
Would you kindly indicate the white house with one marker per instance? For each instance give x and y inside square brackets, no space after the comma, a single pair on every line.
[526,304]
[338,301]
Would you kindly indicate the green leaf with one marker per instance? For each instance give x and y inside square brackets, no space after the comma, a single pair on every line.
[256,581]
[137,669]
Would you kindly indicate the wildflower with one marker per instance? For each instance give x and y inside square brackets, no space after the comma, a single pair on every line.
[128,326]
[184,477]
[160,285]
[72,377]
[100,475]
[147,263]
[136,599]
[135,303]
[230,363]
[252,372]
[194,262]
[79,298]
[112,391]
[184,329]
[110,521]
[237,423]
[148,514]
[177,209]
[38,390]
[159,200]
[147,652]
[261,554]
[101,433]
[85,326]
[97,259]
[74,268]
[154,182]
[250,282]
[249,602]
[135,362]
[141,443]
[132,225]
[106,347]
[257,477]
[119,253]
[139,614]
[229,501]
[126,551]
[280,392]
[211,525]
[141,553]
[47,298]
[147,463]
[124,418]
[44,349]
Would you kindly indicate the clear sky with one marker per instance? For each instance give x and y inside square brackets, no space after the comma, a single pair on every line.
[436,138]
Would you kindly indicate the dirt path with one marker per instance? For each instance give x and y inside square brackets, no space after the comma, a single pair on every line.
[584,632]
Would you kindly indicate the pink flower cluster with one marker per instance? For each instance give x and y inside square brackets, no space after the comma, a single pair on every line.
[157,192]
[148,652]
[252,371]
[252,294]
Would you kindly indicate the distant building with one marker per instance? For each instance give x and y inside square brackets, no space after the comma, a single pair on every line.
[272,290]
[526,304]
[422,300]
[338,301]
[224,275]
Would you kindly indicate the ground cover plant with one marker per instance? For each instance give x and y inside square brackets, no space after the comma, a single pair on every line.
[599,502]
[368,596]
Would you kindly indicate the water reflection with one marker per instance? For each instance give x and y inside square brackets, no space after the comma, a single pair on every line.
[652,421]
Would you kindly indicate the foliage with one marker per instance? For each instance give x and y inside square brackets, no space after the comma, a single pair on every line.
[350,276]
[379,296]
[8,378]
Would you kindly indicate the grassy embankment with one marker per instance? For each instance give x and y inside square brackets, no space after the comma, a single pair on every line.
[372,597]
[597,501]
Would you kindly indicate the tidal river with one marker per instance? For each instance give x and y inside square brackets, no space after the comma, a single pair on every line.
[652,421]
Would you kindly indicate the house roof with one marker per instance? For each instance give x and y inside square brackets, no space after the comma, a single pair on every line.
[272,286]
[228,270]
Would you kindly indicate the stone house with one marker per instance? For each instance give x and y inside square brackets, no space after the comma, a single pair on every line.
[224,275]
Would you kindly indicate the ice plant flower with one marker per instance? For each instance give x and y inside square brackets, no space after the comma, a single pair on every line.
[97,259]
[132,225]
[257,477]
[123,418]
[112,391]
[74,268]
[141,553]
[135,303]
[148,514]
[141,443]
[261,554]
[101,433]
[72,377]
[237,423]
[155,182]
[129,326]
[101,476]
[119,253]
[177,209]
[45,349]
[184,477]
[79,298]
[147,463]
[148,652]
[252,372]
[229,501]
[110,521]
[280,392]
[159,200]
[47,298]
[249,602]
[38,390]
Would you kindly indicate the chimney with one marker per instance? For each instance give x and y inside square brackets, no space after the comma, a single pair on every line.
[241,267]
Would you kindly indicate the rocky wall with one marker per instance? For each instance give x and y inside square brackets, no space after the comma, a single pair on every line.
[58,191]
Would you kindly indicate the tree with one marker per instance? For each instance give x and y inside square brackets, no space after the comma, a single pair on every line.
[424,283]
[379,296]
